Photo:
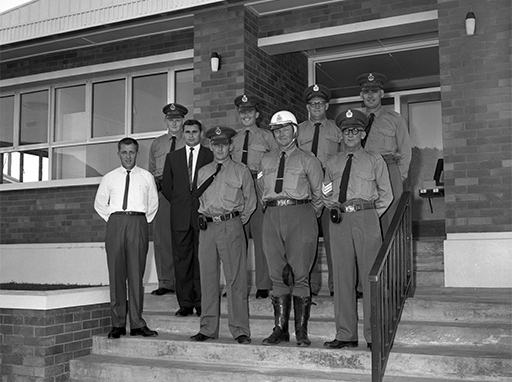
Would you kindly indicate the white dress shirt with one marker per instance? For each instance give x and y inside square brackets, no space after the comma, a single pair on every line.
[195,154]
[142,195]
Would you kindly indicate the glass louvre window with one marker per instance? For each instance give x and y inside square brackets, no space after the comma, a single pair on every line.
[25,166]
[70,114]
[108,105]
[149,97]
[185,88]
[34,118]
[6,121]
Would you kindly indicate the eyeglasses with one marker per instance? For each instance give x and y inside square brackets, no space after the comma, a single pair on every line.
[316,104]
[352,131]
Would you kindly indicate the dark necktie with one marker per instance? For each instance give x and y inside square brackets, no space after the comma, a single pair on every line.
[173,144]
[190,165]
[344,179]
[368,127]
[314,145]
[245,148]
[208,181]
[280,174]
[126,188]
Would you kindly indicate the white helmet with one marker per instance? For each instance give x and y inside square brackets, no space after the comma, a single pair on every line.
[281,119]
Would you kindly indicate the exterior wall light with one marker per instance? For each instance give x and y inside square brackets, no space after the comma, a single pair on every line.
[215,61]
[470,23]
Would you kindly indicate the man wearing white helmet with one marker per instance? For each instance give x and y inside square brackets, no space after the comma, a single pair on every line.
[290,182]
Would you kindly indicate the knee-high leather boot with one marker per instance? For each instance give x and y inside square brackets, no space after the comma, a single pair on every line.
[282,306]
[301,311]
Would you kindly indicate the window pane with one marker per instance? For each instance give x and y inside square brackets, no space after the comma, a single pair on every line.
[93,160]
[70,116]
[108,108]
[6,121]
[34,118]
[149,97]
[26,166]
[184,89]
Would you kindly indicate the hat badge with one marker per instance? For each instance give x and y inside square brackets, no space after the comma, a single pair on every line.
[244,98]
[173,107]
[349,114]
[370,77]
[279,118]
[218,131]
[316,88]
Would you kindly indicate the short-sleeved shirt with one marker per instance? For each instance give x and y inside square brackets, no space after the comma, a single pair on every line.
[231,190]
[329,139]
[368,181]
[260,142]
[159,149]
[302,177]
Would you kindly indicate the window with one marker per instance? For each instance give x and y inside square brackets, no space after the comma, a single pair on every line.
[71,130]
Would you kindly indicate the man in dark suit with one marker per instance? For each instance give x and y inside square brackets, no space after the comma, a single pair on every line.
[179,186]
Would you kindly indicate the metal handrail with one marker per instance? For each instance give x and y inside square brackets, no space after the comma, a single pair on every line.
[391,282]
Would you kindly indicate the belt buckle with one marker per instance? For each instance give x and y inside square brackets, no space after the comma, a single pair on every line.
[216,219]
[350,208]
[282,202]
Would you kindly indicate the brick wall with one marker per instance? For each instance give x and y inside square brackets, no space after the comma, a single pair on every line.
[37,345]
[476,109]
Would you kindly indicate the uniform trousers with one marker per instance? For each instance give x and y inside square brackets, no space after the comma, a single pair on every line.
[162,244]
[224,241]
[290,235]
[316,271]
[355,243]
[186,267]
[127,244]
[398,188]
[254,229]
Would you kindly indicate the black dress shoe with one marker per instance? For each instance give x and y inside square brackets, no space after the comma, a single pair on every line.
[369,345]
[144,332]
[262,293]
[336,344]
[359,294]
[243,339]
[117,332]
[332,294]
[198,312]
[184,312]
[162,291]
[199,337]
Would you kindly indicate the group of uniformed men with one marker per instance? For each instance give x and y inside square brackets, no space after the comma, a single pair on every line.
[280,186]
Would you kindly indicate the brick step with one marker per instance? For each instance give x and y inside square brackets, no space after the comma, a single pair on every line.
[455,362]
[428,304]
[111,368]
[410,333]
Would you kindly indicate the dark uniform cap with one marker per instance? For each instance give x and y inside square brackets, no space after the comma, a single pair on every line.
[351,118]
[317,91]
[175,110]
[220,134]
[371,81]
[247,102]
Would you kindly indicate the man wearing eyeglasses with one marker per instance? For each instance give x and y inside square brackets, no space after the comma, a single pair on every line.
[356,190]
[321,137]
[162,243]
[386,134]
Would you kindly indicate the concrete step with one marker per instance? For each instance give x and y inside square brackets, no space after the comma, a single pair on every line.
[451,362]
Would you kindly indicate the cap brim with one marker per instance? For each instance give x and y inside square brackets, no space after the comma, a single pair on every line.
[219,141]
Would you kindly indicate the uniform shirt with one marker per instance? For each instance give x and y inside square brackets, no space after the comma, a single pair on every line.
[329,139]
[231,190]
[302,177]
[368,181]
[389,135]
[159,149]
[261,141]
[142,194]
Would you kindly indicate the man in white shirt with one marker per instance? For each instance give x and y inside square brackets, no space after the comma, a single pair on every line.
[127,200]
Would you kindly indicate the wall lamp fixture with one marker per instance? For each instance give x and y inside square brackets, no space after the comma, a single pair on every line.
[470,23]
[215,61]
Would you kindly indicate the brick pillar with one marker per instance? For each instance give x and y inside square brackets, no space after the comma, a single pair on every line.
[232,31]
[477,134]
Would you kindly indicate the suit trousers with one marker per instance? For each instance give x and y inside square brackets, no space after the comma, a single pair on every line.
[224,242]
[162,244]
[186,267]
[355,243]
[127,248]
[398,189]
[290,235]
[316,271]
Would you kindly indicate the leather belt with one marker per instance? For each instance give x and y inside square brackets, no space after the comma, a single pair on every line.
[131,213]
[391,159]
[222,218]
[285,202]
[356,206]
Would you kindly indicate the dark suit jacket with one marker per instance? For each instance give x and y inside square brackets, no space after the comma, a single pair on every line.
[176,187]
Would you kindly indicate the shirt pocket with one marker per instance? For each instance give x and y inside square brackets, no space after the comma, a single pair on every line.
[389,137]
[364,184]
[292,177]
[232,189]
[333,144]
